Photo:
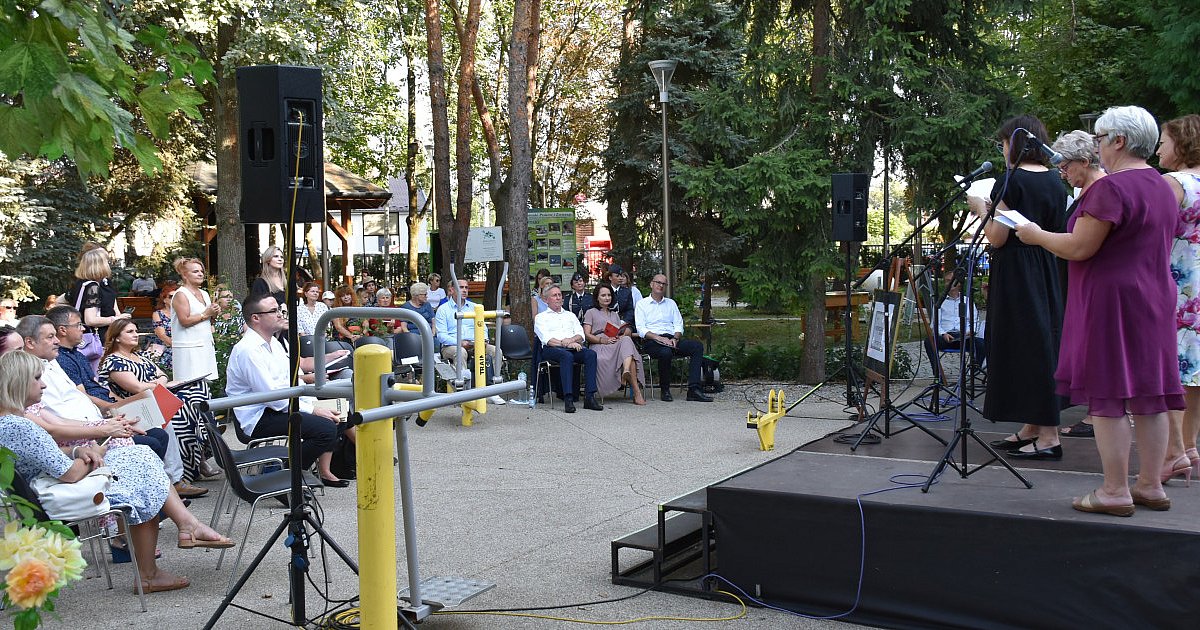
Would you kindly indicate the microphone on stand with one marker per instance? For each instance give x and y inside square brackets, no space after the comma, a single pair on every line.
[986,167]
[1055,157]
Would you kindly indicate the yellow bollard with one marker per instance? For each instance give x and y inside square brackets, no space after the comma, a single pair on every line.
[376,495]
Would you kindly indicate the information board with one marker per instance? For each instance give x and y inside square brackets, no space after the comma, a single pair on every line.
[552,243]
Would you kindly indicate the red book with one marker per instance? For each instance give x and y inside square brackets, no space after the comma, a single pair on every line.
[613,331]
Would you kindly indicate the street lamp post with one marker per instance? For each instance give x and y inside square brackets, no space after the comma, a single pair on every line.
[662,69]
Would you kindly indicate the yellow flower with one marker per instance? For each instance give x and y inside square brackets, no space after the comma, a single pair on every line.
[30,582]
[61,554]
[17,542]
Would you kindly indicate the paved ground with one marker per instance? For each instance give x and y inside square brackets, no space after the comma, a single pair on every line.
[527,499]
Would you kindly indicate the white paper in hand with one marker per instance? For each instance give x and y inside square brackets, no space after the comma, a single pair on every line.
[1010,218]
[981,188]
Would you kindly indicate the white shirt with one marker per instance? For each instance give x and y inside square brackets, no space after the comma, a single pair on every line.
[637,295]
[62,396]
[259,365]
[660,318]
[948,317]
[560,324]
[436,297]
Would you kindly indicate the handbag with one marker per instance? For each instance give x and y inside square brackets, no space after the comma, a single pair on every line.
[74,501]
[91,347]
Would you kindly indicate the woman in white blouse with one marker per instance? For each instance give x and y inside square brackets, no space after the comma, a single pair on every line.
[191,324]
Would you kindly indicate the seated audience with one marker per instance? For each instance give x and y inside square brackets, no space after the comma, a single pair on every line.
[419,302]
[259,363]
[310,310]
[68,326]
[384,327]
[447,326]
[437,294]
[138,481]
[579,301]
[347,329]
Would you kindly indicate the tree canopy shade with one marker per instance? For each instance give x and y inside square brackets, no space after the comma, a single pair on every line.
[67,88]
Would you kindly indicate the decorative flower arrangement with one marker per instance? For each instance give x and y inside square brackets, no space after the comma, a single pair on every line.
[40,557]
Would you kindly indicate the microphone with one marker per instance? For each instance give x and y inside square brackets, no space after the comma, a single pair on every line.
[986,167]
[1055,157]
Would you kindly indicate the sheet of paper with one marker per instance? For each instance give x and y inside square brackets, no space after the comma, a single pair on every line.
[1010,218]
[981,188]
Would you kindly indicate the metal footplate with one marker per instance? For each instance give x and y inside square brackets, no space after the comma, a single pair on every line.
[448,592]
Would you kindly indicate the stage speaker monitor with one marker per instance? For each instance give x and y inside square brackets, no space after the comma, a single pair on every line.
[850,206]
[280,144]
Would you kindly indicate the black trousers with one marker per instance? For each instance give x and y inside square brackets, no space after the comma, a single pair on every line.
[317,435]
[690,348]
[566,360]
[156,439]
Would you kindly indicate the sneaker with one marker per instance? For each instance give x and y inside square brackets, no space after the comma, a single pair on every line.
[496,400]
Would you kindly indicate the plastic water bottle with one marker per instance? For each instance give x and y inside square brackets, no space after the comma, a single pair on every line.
[531,398]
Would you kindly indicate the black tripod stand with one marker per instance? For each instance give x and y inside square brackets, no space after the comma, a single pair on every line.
[299,518]
[965,432]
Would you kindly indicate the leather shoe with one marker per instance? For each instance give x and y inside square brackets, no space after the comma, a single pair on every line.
[334,483]
[569,406]
[696,395]
[665,395]
[186,490]
[1053,453]
[590,403]
[1009,445]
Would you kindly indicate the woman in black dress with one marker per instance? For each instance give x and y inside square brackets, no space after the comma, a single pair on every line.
[98,302]
[1025,300]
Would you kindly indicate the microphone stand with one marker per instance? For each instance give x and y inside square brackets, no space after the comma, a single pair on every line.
[964,429]
[887,409]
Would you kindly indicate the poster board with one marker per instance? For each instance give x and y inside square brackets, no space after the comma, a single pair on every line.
[485,244]
[881,341]
[552,242]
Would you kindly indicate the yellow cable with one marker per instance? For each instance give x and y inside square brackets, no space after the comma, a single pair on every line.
[606,623]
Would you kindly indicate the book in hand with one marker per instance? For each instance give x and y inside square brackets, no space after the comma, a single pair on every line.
[614,331]
[152,408]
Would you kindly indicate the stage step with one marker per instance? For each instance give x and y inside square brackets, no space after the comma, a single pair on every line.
[671,536]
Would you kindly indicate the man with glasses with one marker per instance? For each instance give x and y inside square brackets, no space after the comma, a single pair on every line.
[446,326]
[660,325]
[259,363]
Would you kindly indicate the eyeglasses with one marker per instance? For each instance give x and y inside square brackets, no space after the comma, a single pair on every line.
[278,310]
[662,282]
[75,325]
[1098,137]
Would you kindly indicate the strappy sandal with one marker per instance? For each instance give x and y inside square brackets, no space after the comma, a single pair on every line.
[151,587]
[1079,429]
[188,540]
[1090,503]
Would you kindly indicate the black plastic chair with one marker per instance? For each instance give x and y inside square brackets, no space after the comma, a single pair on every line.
[514,345]
[406,354]
[250,488]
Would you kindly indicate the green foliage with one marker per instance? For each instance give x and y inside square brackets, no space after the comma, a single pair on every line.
[776,362]
[68,87]
[45,216]
[835,359]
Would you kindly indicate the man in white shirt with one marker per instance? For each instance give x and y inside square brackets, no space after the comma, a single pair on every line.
[949,333]
[660,325]
[259,363]
[446,328]
[562,342]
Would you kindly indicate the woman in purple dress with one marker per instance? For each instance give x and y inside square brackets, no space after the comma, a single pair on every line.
[1118,353]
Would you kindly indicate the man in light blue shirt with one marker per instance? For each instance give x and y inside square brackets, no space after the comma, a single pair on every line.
[660,325]
[446,326]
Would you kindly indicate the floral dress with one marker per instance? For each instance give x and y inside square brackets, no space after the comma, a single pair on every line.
[163,358]
[139,480]
[186,422]
[1185,268]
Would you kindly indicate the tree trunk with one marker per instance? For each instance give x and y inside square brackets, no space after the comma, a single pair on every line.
[812,364]
[231,234]
[452,241]
[416,215]
[516,220]
[462,145]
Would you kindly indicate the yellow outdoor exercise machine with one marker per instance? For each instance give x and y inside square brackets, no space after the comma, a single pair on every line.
[765,423]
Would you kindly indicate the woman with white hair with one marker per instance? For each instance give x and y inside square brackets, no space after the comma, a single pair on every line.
[1080,168]
[1118,353]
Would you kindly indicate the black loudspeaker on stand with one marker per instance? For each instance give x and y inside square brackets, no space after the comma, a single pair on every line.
[284,83]
[850,206]
[280,119]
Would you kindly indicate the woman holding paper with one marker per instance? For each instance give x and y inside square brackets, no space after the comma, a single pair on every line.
[1025,301]
[618,361]
[1119,350]
[126,373]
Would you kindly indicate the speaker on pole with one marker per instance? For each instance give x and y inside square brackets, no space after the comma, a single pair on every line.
[280,144]
[850,206]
